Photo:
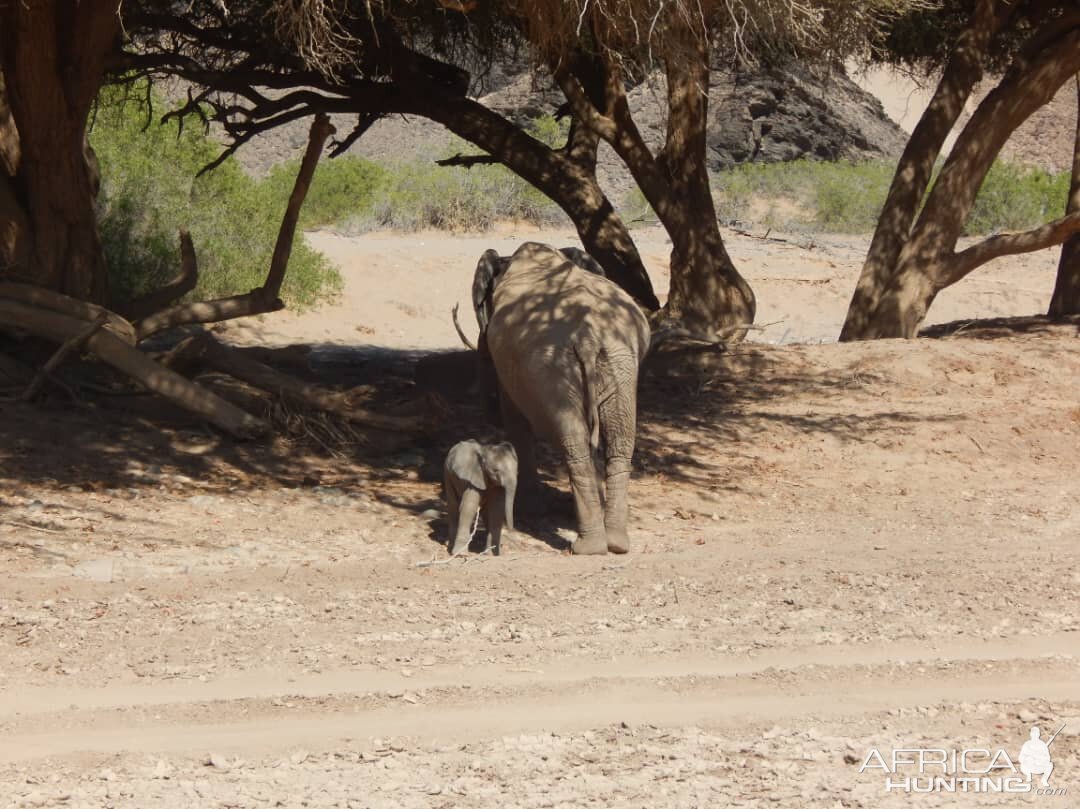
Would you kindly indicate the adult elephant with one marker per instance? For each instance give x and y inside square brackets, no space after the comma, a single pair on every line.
[566,345]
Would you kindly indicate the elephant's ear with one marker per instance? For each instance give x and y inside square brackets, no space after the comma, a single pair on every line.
[464,461]
[489,266]
[583,260]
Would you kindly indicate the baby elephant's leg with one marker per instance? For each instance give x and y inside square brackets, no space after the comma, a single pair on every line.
[467,510]
[495,520]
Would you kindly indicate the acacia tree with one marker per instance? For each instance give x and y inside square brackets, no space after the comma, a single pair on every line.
[52,268]
[397,57]
[52,57]
[256,69]
[913,253]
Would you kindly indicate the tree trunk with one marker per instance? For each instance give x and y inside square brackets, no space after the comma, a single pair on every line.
[707,293]
[1066,297]
[928,262]
[52,57]
[913,171]
[708,296]
[566,176]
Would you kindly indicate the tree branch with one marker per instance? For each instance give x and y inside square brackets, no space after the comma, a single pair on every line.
[321,129]
[265,298]
[1010,244]
[52,325]
[177,288]
[71,344]
[72,307]
[363,124]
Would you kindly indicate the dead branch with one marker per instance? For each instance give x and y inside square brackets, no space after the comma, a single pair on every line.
[265,298]
[234,363]
[235,306]
[321,129]
[469,345]
[765,237]
[111,349]
[40,298]
[469,160]
[177,288]
[69,345]
[667,333]
[364,122]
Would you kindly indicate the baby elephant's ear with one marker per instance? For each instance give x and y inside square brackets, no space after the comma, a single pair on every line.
[465,462]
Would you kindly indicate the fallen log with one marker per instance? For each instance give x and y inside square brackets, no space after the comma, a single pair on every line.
[41,298]
[69,345]
[114,351]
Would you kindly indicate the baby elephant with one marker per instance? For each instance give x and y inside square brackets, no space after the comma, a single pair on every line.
[480,478]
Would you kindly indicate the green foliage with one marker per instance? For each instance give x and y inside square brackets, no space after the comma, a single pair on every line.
[804,195]
[549,130]
[339,188]
[1017,198]
[418,195]
[818,197]
[149,190]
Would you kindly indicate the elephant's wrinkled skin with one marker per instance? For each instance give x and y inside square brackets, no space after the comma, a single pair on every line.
[566,346]
[479,478]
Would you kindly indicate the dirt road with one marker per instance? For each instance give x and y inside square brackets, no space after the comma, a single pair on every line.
[838,549]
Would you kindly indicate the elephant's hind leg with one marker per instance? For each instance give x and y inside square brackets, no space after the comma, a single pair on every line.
[591,536]
[618,426]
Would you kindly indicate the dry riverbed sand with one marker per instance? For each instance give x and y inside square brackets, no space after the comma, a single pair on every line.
[837,548]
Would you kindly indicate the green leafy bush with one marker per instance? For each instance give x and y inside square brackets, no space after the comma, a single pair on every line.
[418,195]
[339,188]
[813,196]
[149,190]
[1017,198]
[804,195]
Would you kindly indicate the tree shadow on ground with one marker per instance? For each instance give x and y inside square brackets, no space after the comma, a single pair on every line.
[700,414]
[1001,327]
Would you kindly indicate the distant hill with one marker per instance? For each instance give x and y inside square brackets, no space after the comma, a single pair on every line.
[1045,140]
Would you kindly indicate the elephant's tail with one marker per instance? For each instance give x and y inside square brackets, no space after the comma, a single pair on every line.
[587,360]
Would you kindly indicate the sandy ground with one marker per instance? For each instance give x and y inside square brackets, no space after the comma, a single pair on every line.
[400,289]
[837,549]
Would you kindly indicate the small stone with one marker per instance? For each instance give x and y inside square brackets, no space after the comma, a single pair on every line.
[299,757]
[431,514]
[1027,716]
[218,762]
